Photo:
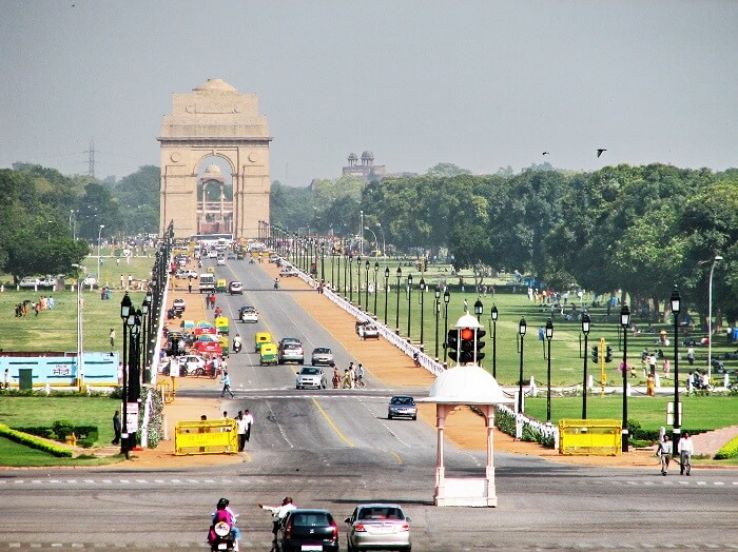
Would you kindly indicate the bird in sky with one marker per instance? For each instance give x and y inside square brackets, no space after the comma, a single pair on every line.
[600,151]
[545,153]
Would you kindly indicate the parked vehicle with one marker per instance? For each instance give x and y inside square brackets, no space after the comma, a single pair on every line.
[378,527]
[29,282]
[311,376]
[309,530]
[402,406]
[322,356]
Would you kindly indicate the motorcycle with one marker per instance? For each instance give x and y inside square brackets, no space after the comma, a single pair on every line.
[237,345]
[221,537]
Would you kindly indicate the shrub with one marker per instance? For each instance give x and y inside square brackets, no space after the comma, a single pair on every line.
[728,450]
[34,442]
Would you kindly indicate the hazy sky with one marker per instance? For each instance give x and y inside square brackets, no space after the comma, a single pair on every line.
[482,84]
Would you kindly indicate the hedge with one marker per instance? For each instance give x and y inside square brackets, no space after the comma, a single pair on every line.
[728,450]
[87,435]
[34,442]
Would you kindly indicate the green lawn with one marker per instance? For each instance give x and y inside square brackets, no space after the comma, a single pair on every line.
[17,455]
[20,411]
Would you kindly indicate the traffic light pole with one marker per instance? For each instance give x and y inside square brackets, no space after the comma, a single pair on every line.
[584,383]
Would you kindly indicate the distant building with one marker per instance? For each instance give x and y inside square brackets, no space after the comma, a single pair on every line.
[367,169]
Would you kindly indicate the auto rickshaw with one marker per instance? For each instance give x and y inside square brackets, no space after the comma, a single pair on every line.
[268,354]
[221,285]
[211,270]
[221,324]
[260,339]
[224,344]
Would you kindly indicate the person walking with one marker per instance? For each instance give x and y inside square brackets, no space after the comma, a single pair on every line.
[664,453]
[249,419]
[241,430]
[685,449]
[116,428]
[6,379]
[336,377]
[690,355]
[111,335]
[352,376]
[226,381]
[360,376]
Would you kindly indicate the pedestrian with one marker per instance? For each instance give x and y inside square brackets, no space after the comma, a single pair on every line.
[6,379]
[130,281]
[685,449]
[121,281]
[690,355]
[346,379]
[116,427]
[667,367]
[279,513]
[336,377]
[226,381]
[241,430]
[664,453]
[249,423]
[189,285]
[111,335]
[360,376]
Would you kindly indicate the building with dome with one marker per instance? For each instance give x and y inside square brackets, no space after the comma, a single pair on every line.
[364,167]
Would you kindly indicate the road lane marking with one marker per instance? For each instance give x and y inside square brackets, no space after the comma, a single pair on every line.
[397,457]
[332,424]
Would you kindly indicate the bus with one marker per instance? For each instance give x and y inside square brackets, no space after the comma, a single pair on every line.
[212,240]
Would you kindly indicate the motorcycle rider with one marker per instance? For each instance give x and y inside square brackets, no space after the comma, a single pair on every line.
[224,513]
[237,344]
[279,513]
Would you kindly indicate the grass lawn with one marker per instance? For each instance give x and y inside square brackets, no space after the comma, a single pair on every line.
[14,454]
[44,411]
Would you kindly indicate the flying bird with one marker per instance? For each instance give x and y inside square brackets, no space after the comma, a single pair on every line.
[545,153]
[600,151]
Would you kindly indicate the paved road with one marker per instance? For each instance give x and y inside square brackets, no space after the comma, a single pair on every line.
[334,449]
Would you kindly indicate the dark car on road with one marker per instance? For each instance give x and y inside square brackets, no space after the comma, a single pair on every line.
[309,530]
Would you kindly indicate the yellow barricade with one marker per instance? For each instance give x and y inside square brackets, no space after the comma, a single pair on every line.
[595,437]
[206,437]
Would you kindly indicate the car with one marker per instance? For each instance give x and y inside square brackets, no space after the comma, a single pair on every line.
[232,256]
[311,376]
[235,288]
[221,261]
[378,526]
[29,282]
[178,305]
[191,365]
[48,281]
[365,329]
[89,281]
[191,273]
[208,346]
[212,254]
[248,314]
[285,340]
[305,529]
[322,355]
[291,352]
[287,272]
[402,406]
[180,274]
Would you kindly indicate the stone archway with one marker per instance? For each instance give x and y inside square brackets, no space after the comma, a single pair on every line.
[214,120]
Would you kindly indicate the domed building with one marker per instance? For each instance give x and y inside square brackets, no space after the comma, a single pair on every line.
[367,169]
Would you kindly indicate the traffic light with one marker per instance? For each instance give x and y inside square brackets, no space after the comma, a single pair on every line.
[608,354]
[595,354]
[467,346]
[479,345]
[452,343]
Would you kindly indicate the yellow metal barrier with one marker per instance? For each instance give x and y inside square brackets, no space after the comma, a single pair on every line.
[206,437]
[595,437]
[165,390]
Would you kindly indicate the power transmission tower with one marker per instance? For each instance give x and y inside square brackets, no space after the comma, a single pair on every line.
[91,158]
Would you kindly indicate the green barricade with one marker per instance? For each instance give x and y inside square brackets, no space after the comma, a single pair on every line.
[595,437]
[206,437]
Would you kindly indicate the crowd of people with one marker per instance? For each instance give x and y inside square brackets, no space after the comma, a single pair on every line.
[352,377]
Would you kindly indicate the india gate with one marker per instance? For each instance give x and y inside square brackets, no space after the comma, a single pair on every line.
[215,126]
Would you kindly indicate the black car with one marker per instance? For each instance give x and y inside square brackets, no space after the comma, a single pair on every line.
[309,530]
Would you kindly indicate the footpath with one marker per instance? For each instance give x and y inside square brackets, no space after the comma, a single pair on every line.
[386,366]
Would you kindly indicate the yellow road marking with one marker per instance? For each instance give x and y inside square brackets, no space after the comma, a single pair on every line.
[332,424]
[397,457]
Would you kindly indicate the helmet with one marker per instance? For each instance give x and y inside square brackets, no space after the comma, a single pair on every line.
[223,503]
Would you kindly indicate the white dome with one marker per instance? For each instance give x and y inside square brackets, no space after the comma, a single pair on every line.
[215,86]
[213,170]
[466,385]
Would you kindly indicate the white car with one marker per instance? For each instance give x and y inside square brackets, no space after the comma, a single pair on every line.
[248,314]
[193,365]
[89,281]
[221,261]
[212,253]
[311,376]
[29,282]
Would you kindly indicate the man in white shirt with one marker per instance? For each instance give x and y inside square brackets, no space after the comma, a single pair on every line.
[241,430]
[249,421]
[685,449]
[279,513]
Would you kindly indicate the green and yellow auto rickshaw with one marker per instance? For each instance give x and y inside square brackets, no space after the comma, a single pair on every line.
[224,344]
[268,354]
[221,325]
[260,338]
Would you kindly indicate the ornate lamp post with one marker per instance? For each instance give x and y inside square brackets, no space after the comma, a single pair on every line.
[366,282]
[437,309]
[376,289]
[99,238]
[676,306]
[322,262]
[125,311]
[478,308]
[398,273]
[494,314]
[351,277]
[709,319]
[421,287]
[549,336]
[386,292]
[446,299]
[358,279]
[624,323]
[585,331]
[409,303]
[521,330]
[144,317]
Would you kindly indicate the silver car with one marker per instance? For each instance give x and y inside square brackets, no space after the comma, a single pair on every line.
[402,406]
[322,355]
[378,526]
[311,376]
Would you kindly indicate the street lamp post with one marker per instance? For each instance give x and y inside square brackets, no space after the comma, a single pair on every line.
[376,290]
[478,308]
[351,278]
[437,309]
[366,283]
[421,287]
[409,303]
[446,299]
[494,314]
[398,273]
[144,316]
[99,238]
[521,330]
[549,336]
[125,310]
[358,279]
[338,276]
[80,333]
[676,304]
[322,262]
[585,331]
[384,243]
[386,292]
[624,323]
[709,319]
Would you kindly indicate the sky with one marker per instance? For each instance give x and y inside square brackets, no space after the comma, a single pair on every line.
[482,84]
